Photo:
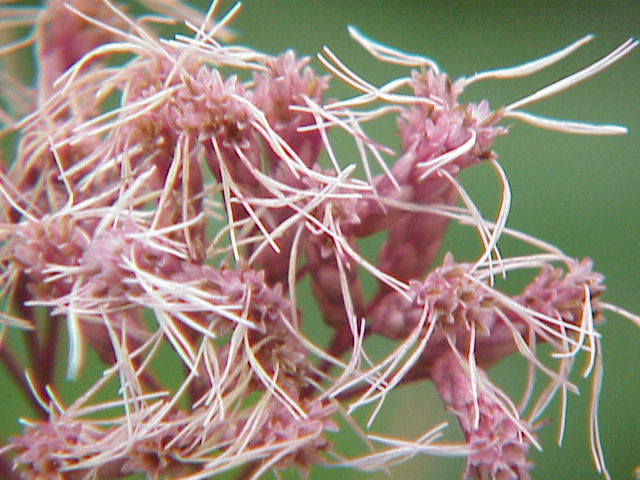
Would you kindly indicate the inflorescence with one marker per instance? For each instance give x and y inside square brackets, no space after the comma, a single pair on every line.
[185,193]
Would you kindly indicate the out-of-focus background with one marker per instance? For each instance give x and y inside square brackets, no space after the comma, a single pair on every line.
[579,193]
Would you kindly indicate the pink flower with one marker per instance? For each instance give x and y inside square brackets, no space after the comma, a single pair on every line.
[167,203]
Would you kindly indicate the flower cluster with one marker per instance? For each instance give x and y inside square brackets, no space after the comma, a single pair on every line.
[167,200]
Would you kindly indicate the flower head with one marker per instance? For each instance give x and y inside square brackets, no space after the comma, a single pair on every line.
[168,207]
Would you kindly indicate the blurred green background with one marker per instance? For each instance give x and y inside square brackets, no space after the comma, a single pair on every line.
[579,193]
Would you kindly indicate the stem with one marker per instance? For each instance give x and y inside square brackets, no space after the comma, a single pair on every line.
[48,351]
[19,297]
[248,470]
[150,381]
[6,471]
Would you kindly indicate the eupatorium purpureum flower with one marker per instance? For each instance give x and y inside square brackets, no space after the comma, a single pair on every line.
[181,200]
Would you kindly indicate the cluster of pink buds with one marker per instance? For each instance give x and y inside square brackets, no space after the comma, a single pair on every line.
[178,200]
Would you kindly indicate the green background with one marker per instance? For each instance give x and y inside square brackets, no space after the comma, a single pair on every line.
[580,193]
